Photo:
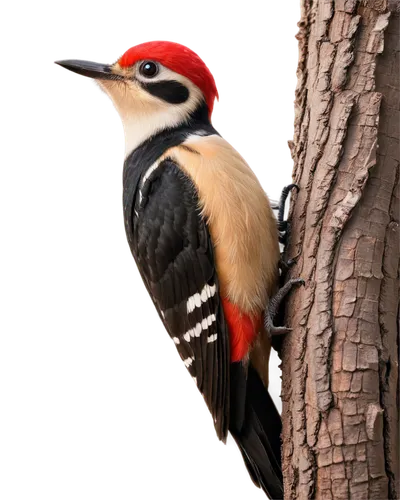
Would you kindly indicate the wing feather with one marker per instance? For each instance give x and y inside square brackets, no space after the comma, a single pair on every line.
[174,252]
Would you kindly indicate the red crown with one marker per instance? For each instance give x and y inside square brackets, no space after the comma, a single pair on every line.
[179,57]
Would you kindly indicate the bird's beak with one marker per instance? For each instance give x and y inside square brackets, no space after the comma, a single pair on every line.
[90,69]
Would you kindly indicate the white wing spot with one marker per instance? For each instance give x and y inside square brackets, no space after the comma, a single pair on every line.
[188,362]
[176,340]
[198,298]
[211,319]
[212,338]
[196,331]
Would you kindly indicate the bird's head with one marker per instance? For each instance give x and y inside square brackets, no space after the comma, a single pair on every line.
[154,85]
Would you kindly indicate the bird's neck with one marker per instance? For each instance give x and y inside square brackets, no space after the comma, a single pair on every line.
[139,127]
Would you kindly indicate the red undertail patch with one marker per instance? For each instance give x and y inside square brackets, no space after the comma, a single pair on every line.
[243,329]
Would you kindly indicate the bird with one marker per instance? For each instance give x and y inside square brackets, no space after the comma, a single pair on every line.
[205,240]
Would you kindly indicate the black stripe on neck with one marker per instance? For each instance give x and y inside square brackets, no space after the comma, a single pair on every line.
[152,148]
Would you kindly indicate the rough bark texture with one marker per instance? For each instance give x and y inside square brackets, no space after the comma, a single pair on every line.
[341,363]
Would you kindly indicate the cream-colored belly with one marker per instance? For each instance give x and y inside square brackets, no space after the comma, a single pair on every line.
[241,223]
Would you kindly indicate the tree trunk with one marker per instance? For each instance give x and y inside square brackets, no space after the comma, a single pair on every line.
[341,362]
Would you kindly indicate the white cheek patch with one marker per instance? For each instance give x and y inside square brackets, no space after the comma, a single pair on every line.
[143,114]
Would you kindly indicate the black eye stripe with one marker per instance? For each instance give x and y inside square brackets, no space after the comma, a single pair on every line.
[169,90]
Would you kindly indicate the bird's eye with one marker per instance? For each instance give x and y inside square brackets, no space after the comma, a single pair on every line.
[149,69]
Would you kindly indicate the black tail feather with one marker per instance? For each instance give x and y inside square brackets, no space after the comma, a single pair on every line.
[258,433]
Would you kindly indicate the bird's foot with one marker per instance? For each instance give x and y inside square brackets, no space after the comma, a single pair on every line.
[273,307]
[283,225]
[285,265]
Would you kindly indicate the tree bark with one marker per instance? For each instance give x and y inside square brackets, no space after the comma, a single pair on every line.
[341,362]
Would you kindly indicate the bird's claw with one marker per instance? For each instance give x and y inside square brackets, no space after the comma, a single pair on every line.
[285,265]
[283,225]
[278,330]
[273,307]
[290,188]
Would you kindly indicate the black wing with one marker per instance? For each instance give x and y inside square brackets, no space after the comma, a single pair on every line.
[173,250]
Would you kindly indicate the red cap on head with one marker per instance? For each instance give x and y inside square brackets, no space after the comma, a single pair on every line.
[178,58]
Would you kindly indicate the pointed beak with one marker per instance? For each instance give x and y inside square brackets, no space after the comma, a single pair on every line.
[90,69]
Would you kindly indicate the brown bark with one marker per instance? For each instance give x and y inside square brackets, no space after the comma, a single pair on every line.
[341,362]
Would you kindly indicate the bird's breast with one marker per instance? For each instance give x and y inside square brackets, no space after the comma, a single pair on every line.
[241,223]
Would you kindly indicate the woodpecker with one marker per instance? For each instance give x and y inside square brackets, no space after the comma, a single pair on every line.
[202,232]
